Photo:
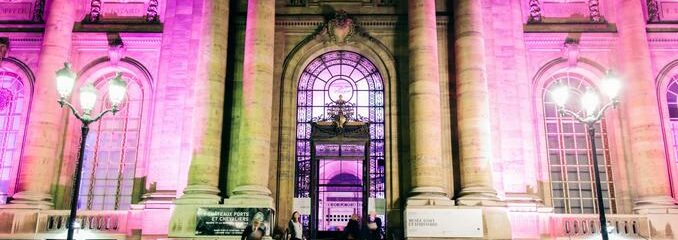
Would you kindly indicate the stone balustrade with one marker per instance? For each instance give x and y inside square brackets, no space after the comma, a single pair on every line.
[587,225]
[50,224]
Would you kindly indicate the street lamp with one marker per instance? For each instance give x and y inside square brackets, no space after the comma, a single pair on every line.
[590,102]
[65,80]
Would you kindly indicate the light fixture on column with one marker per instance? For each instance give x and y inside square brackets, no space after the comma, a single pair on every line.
[65,81]
[590,102]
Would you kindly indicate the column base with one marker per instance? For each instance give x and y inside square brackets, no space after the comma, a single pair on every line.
[252,196]
[183,221]
[428,196]
[479,196]
[199,194]
[657,204]
[161,199]
[30,200]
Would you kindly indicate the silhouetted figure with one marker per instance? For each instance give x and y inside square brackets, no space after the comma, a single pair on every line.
[374,227]
[352,230]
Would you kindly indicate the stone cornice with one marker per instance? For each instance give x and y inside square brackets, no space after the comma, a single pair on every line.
[132,41]
[367,21]
[535,41]
[661,40]
[24,41]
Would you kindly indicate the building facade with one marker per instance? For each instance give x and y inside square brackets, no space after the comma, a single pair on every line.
[224,97]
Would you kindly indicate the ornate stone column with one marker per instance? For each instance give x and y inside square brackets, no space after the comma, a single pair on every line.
[650,175]
[473,108]
[44,129]
[203,175]
[255,132]
[425,117]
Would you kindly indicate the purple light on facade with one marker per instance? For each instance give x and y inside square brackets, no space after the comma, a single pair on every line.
[353,78]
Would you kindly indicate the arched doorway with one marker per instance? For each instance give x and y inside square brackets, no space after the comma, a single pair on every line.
[322,81]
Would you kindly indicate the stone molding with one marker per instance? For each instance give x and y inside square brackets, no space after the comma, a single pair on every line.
[314,21]
[662,41]
[556,41]
[99,41]
[24,41]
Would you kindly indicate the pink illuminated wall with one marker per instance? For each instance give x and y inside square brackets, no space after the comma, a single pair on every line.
[113,150]
[569,157]
[13,112]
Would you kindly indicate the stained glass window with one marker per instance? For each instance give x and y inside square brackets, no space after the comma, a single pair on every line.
[13,105]
[112,150]
[326,79]
[672,104]
[569,157]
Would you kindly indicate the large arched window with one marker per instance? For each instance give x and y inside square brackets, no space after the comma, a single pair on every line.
[569,157]
[354,78]
[112,150]
[13,110]
[672,105]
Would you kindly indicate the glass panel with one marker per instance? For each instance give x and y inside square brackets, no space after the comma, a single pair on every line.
[568,138]
[12,120]
[358,81]
[112,150]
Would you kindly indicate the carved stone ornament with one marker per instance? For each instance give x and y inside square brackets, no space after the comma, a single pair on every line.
[38,10]
[594,12]
[571,52]
[535,12]
[4,47]
[152,15]
[5,98]
[341,28]
[94,14]
[116,52]
[653,11]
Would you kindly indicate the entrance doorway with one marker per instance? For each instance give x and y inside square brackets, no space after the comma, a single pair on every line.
[340,173]
[332,77]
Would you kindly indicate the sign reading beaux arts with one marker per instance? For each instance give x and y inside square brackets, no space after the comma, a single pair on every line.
[230,221]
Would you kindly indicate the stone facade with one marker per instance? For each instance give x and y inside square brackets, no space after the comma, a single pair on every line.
[463,95]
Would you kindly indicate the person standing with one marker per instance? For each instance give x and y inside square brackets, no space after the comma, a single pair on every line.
[374,227]
[294,227]
[352,230]
[253,231]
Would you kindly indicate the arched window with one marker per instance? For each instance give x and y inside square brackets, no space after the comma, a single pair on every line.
[112,150]
[13,111]
[323,81]
[569,156]
[672,105]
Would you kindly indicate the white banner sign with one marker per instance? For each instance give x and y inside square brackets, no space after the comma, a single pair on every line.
[303,205]
[438,222]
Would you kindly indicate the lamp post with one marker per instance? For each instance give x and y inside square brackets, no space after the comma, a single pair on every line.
[65,80]
[590,102]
